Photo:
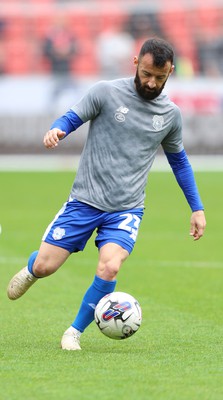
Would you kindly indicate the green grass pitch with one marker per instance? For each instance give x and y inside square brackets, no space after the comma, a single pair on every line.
[177,354]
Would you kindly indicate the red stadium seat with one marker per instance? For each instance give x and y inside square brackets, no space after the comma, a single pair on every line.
[19,57]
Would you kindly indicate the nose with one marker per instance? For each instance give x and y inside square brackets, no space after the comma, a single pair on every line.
[152,83]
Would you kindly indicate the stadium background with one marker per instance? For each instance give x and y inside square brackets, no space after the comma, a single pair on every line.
[104,30]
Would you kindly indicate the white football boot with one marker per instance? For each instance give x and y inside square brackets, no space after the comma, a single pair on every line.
[20,283]
[71,339]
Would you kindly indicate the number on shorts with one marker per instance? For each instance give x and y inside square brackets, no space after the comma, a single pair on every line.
[127,222]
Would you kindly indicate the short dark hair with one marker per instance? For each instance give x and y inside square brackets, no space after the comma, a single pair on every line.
[160,49]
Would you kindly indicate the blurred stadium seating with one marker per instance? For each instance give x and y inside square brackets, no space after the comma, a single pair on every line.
[195,28]
[27,22]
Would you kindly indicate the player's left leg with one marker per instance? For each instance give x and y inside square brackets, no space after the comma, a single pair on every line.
[111,257]
[115,240]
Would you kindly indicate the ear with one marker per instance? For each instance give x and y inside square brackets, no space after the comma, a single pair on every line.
[172,69]
[135,61]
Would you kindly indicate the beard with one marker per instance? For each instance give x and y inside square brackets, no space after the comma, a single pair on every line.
[144,91]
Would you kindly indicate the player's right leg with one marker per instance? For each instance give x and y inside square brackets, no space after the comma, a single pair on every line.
[41,263]
[57,244]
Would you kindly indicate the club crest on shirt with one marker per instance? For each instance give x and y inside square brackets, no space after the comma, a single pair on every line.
[120,113]
[158,122]
[58,233]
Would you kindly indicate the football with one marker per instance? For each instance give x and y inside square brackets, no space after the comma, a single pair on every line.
[118,315]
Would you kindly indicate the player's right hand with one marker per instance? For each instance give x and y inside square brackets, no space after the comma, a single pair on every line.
[52,138]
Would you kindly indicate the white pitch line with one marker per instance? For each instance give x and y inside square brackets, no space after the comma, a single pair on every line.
[70,163]
[153,263]
[12,260]
[186,264]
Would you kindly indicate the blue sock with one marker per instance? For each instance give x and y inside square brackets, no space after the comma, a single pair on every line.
[96,291]
[31,261]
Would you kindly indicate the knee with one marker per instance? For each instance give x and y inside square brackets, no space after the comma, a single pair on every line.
[108,270]
[42,267]
[111,257]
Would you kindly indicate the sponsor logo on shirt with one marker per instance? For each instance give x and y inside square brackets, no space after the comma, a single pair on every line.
[120,113]
[158,122]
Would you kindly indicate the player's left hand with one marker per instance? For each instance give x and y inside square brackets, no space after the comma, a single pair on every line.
[197,224]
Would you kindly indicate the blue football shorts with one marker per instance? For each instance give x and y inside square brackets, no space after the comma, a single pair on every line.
[75,223]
